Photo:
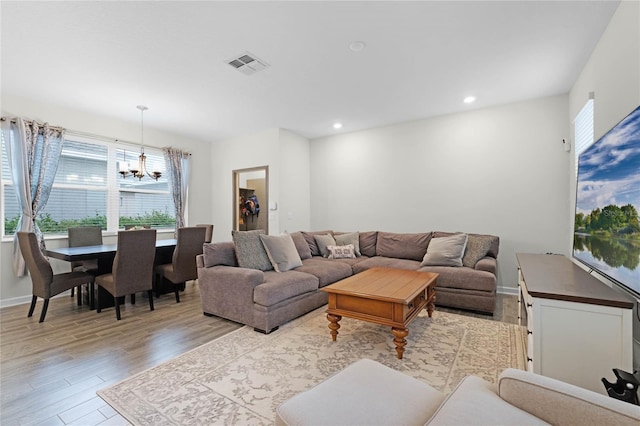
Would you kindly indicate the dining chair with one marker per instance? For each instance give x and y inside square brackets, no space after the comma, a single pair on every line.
[209,234]
[44,282]
[81,236]
[183,263]
[132,270]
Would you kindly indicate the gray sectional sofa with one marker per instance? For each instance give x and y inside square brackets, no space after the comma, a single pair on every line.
[257,295]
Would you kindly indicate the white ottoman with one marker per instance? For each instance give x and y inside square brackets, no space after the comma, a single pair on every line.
[364,393]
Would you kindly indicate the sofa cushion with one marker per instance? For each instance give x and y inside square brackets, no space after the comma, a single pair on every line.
[402,246]
[279,287]
[326,270]
[323,241]
[249,250]
[364,393]
[223,253]
[463,278]
[445,251]
[475,402]
[311,241]
[281,251]
[477,247]
[368,242]
[352,238]
[385,262]
[301,245]
[341,252]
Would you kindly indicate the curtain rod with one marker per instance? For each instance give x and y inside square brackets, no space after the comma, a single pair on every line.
[87,134]
[13,120]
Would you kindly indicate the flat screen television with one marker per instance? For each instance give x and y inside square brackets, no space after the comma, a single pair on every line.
[607,233]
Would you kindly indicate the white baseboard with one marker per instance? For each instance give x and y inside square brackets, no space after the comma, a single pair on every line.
[25,299]
[507,290]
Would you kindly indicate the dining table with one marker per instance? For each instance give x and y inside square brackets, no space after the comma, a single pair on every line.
[104,254]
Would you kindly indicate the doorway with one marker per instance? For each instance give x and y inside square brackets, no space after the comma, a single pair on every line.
[250,199]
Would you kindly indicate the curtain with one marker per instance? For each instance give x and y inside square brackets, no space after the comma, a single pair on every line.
[177,162]
[33,151]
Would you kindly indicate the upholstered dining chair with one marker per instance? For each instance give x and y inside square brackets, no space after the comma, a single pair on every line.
[183,263]
[45,283]
[81,236]
[132,270]
[209,234]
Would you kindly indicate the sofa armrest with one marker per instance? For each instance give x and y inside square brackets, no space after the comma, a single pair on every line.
[561,403]
[227,291]
[488,264]
[200,261]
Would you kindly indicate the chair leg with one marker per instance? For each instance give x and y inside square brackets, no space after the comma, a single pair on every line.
[72,291]
[150,293]
[44,310]
[117,303]
[133,298]
[177,295]
[79,295]
[33,306]
[92,296]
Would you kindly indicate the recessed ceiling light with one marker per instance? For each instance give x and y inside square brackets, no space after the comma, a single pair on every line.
[357,46]
[469,99]
[337,125]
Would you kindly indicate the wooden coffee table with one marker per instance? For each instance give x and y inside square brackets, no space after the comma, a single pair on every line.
[385,296]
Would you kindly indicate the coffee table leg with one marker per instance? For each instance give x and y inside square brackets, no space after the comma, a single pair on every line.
[431,300]
[399,339]
[333,325]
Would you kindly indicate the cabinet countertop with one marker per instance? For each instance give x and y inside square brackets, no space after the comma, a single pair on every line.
[553,276]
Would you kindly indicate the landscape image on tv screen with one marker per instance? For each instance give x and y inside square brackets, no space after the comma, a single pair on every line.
[607,232]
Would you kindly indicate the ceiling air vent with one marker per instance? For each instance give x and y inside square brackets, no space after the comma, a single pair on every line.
[247,63]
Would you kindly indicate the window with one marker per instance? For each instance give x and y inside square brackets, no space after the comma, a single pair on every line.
[583,130]
[88,190]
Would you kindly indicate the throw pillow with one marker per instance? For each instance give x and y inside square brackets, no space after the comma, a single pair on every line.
[477,247]
[301,245]
[309,236]
[250,251]
[341,252]
[352,238]
[219,254]
[445,251]
[281,251]
[323,241]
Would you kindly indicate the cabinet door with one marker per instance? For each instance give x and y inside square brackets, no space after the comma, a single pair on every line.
[580,343]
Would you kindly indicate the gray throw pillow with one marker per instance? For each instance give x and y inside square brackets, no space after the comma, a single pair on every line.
[282,252]
[301,245]
[445,251]
[219,254]
[349,238]
[249,250]
[477,247]
[323,241]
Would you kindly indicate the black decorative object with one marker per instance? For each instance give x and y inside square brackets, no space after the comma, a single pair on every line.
[626,386]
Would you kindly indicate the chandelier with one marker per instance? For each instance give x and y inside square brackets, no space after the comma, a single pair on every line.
[141,170]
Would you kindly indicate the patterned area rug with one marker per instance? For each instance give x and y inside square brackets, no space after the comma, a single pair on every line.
[243,376]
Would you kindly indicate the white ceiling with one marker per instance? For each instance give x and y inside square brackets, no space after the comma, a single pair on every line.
[421,59]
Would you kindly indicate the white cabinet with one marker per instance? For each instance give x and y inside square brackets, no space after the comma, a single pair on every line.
[578,328]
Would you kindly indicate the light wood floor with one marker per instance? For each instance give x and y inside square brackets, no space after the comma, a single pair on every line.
[50,372]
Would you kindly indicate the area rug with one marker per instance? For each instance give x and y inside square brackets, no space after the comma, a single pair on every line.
[240,378]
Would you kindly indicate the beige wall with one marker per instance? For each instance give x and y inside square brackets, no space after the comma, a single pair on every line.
[500,170]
